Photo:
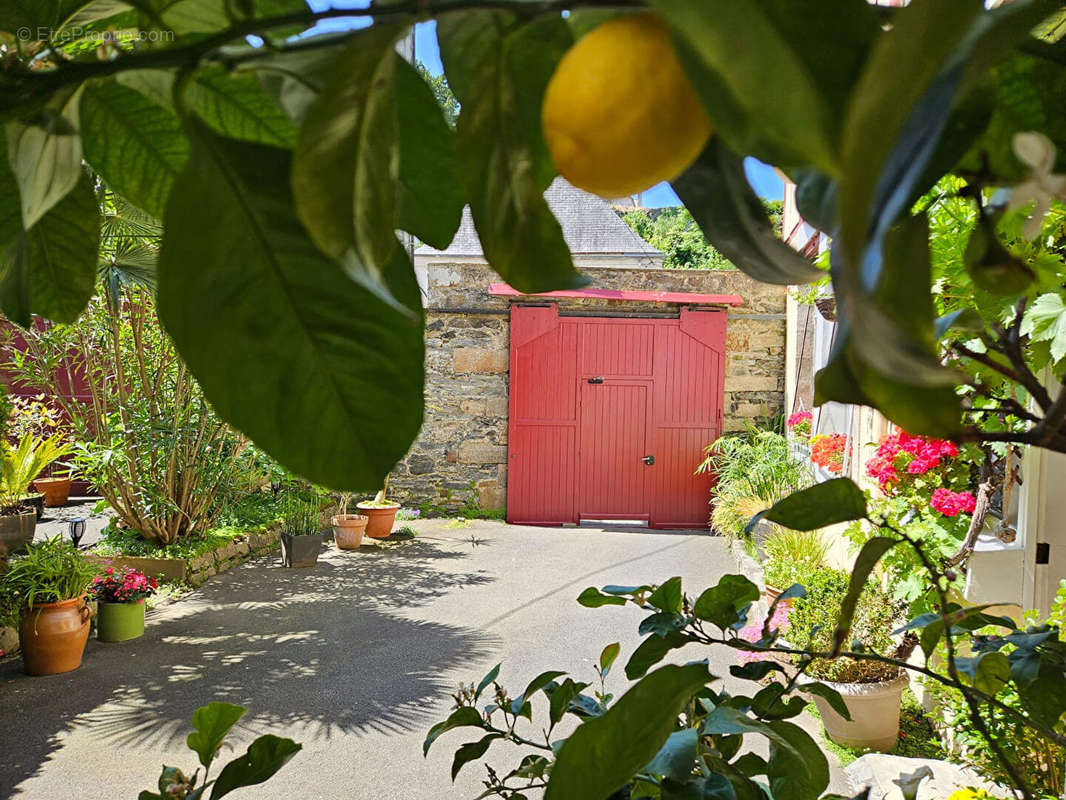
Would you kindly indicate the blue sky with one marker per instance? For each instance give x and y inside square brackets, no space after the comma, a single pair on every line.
[762,177]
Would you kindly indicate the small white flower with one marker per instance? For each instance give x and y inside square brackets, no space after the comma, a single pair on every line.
[1037,152]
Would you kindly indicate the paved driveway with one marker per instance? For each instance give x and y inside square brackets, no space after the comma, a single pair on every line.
[352,658]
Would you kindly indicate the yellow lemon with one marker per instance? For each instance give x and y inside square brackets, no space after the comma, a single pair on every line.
[619,114]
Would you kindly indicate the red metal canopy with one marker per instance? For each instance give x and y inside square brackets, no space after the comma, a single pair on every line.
[687,298]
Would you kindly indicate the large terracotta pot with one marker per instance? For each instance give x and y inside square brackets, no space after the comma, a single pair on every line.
[16,530]
[874,710]
[53,636]
[56,491]
[348,530]
[380,519]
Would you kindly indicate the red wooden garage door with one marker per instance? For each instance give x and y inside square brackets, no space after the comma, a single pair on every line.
[609,416]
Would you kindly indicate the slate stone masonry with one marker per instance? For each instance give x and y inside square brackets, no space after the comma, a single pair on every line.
[460,456]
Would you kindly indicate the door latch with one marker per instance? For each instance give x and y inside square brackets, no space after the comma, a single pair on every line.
[595,380]
[648,460]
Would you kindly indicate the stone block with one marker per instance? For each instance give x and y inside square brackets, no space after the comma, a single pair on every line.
[421,464]
[753,383]
[451,456]
[878,773]
[492,497]
[479,360]
[481,452]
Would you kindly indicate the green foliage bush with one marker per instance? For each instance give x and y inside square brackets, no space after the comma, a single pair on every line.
[793,557]
[752,471]
[49,572]
[813,619]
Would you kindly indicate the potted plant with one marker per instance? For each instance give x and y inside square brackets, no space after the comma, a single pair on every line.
[26,461]
[348,528]
[49,584]
[18,467]
[121,603]
[872,690]
[301,537]
[380,512]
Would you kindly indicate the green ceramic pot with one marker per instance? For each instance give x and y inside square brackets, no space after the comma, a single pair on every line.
[118,622]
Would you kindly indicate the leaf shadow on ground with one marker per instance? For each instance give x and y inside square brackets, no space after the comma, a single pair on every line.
[312,653]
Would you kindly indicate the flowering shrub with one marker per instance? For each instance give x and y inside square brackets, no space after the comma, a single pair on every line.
[951,504]
[827,451]
[131,586]
[800,424]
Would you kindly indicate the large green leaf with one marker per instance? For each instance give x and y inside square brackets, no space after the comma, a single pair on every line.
[504,159]
[431,197]
[50,270]
[605,752]
[677,755]
[651,651]
[137,146]
[468,38]
[798,771]
[818,506]
[212,723]
[717,193]
[472,751]
[462,717]
[323,375]
[44,153]
[44,17]
[10,207]
[265,756]
[235,105]
[723,602]
[740,62]
[346,161]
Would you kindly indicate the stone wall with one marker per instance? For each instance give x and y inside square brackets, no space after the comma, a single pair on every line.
[460,457]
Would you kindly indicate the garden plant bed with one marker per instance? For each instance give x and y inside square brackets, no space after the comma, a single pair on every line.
[195,569]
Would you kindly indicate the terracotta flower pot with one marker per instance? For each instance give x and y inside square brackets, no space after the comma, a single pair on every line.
[348,530]
[379,519]
[53,636]
[874,710]
[16,530]
[56,491]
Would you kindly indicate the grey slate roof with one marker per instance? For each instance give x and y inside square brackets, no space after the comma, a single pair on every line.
[590,226]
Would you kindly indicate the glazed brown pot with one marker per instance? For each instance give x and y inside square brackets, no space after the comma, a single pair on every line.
[348,530]
[56,491]
[379,519]
[53,636]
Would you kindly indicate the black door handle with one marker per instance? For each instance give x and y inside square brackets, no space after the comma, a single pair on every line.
[648,460]
[595,380]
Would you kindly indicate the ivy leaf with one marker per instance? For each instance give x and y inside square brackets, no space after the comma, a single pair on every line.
[264,757]
[45,155]
[50,269]
[818,506]
[137,146]
[504,161]
[1045,321]
[319,372]
[606,752]
[717,193]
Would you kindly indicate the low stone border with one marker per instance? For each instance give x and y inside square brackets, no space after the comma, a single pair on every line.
[194,571]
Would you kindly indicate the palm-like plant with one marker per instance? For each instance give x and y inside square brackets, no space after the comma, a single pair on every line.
[22,464]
